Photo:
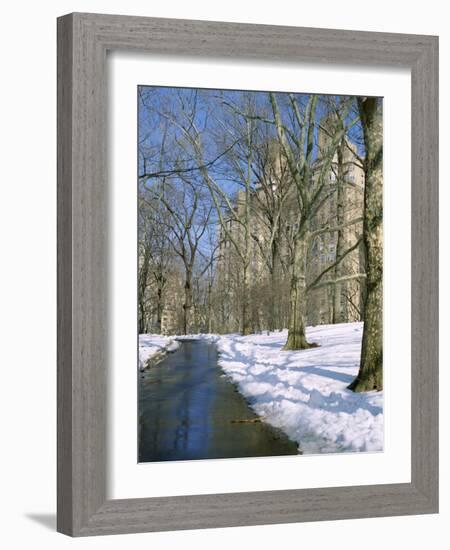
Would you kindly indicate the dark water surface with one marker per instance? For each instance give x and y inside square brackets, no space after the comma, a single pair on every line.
[189,410]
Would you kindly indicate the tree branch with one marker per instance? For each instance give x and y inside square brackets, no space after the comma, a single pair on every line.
[338,280]
[328,229]
[316,281]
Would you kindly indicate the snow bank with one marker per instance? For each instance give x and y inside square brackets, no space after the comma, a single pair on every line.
[152,347]
[305,392]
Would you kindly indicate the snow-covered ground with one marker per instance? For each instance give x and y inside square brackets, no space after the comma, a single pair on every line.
[302,392]
[305,392]
[154,347]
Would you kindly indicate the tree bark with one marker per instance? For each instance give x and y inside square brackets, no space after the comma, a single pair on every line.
[297,302]
[187,306]
[274,308]
[246,323]
[143,278]
[337,289]
[159,302]
[370,375]
[209,307]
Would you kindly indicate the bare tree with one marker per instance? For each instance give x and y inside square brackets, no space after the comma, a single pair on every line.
[309,170]
[155,258]
[344,219]
[270,198]
[208,272]
[237,149]
[188,217]
[370,375]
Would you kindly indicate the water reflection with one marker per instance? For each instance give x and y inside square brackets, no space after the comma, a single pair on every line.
[188,410]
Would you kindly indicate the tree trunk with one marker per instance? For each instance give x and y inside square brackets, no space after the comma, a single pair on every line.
[370,375]
[274,304]
[159,305]
[297,302]
[187,306]
[246,324]
[271,321]
[337,289]
[209,307]
[362,282]
[142,287]
[141,317]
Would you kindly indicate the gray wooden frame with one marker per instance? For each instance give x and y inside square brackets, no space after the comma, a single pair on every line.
[83,40]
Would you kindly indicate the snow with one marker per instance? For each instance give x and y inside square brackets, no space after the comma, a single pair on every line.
[154,347]
[305,392]
[302,392]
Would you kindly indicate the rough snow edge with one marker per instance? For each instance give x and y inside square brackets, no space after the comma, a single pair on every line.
[153,348]
[305,392]
[200,336]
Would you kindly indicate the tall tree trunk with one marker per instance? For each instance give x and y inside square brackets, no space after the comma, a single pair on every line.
[159,303]
[209,307]
[274,306]
[271,321]
[362,282]
[246,323]
[141,317]
[187,306]
[337,289]
[143,278]
[370,375]
[297,302]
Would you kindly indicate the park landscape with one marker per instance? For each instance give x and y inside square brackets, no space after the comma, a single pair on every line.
[260,266]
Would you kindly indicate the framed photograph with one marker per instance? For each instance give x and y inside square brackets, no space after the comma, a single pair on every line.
[247,274]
